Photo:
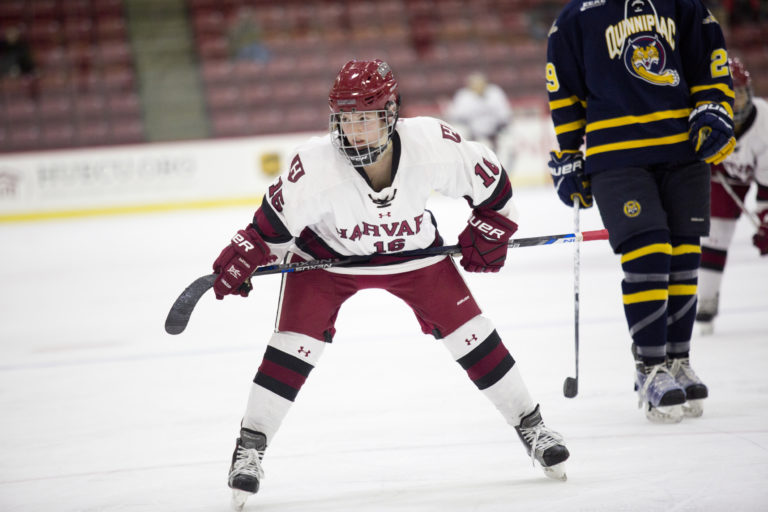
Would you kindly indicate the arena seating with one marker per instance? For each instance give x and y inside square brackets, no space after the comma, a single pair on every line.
[83,91]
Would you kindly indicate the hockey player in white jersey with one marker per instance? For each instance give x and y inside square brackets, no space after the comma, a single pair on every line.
[747,164]
[362,190]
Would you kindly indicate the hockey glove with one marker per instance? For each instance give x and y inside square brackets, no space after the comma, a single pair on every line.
[484,241]
[760,239]
[237,261]
[711,132]
[571,184]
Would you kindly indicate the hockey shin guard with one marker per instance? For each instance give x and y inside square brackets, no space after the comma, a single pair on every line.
[683,280]
[477,347]
[646,262]
[287,362]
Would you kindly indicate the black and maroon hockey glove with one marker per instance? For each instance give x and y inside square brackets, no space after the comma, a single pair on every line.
[484,241]
[760,239]
[238,260]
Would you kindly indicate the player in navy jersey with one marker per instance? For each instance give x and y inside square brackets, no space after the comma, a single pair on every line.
[362,190]
[747,164]
[645,85]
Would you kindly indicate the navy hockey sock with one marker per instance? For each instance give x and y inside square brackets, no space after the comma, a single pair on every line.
[683,280]
[646,263]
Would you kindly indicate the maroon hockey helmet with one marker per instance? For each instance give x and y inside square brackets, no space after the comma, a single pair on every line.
[742,87]
[364,86]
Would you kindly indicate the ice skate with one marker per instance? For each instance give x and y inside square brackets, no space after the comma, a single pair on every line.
[543,445]
[695,390]
[660,396]
[705,315]
[245,473]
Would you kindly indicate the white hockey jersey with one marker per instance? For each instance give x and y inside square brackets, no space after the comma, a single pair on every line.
[322,207]
[749,160]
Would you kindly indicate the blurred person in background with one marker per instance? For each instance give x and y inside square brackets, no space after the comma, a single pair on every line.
[15,56]
[646,85]
[362,191]
[747,164]
[481,108]
[244,37]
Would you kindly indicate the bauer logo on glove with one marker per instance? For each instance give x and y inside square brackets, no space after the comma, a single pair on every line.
[571,184]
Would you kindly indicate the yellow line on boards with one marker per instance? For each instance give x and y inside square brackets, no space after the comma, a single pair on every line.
[128,209]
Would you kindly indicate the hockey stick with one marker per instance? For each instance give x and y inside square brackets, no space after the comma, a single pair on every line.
[720,178]
[181,311]
[571,384]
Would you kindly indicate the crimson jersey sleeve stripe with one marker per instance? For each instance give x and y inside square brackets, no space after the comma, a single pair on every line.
[269,225]
[500,196]
[282,373]
[488,362]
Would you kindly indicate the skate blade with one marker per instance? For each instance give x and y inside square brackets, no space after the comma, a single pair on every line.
[556,472]
[664,414]
[239,498]
[693,408]
[706,328]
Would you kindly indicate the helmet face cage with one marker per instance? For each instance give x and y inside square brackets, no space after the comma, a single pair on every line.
[742,87]
[364,108]
[362,136]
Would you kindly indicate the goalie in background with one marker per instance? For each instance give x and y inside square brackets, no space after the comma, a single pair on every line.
[481,108]
[747,164]
[362,190]
[646,85]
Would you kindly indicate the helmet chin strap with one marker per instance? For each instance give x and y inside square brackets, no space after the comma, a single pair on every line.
[367,157]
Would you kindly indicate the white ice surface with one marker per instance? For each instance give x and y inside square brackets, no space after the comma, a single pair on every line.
[100,410]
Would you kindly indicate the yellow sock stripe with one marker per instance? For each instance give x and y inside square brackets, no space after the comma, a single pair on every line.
[644,251]
[682,289]
[646,296]
[686,249]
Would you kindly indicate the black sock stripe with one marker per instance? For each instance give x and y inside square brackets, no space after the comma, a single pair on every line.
[275,386]
[288,361]
[479,352]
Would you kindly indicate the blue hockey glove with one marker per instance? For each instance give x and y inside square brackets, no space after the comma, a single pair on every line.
[571,184]
[711,132]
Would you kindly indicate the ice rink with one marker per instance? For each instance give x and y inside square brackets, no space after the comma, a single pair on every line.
[104,411]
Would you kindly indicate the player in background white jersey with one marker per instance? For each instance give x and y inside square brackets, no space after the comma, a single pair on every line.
[362,190]
[747,164]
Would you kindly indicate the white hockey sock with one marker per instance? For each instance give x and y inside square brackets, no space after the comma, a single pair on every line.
[288,359]
[478,349]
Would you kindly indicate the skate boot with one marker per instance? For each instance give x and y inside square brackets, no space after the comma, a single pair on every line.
[543,445]
[695,390]
[245,473]
[659,394]
[706,313]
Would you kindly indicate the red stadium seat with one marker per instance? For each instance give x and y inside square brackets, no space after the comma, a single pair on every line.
[57,135]
[89,105]
[54,107]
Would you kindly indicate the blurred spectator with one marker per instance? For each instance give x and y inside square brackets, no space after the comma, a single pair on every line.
[481,108]
[244,37]
[15,57]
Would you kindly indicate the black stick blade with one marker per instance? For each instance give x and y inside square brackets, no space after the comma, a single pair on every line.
[570,387]
[181,311]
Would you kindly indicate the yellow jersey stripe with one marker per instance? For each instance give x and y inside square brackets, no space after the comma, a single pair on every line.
[646,296]
[721,87]
[644,251]
[686,249]
[647,118]
[682,289]
[638,143]
[569,127]
[566,102]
